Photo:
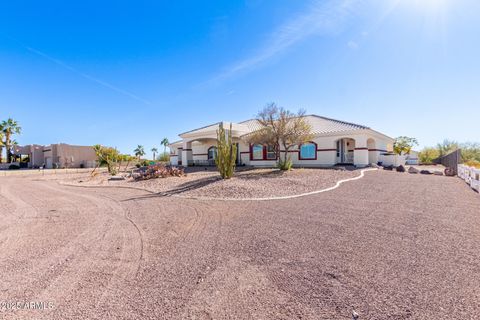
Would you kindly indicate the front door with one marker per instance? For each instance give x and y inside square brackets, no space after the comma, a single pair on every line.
[341,151]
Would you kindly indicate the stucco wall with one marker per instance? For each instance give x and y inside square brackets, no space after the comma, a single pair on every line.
[366,149]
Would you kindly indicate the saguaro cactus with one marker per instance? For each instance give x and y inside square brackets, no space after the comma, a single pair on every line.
[226,152]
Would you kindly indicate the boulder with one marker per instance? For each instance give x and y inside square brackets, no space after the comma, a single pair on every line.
[401,168]
[425,172]
[413,170]
[389,168]
[449,172]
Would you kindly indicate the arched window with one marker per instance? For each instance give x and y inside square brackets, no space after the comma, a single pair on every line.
[308,151]
[212,153]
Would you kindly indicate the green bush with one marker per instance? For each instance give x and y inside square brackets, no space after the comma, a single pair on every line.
[285,165]
[427,155]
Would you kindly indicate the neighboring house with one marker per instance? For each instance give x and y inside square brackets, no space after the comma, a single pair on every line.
[57,156]
[334,142]
[412,158]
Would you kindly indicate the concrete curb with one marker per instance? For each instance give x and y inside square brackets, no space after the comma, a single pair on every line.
[338,184]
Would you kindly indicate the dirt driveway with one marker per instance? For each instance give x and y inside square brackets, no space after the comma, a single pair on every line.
[390,246]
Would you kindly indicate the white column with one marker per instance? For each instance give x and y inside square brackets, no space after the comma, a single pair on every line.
[360,155]
[187,155]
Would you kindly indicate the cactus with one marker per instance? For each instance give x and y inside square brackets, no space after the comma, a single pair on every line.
[226,152]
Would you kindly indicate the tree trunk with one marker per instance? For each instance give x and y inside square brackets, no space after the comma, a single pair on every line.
[7,147]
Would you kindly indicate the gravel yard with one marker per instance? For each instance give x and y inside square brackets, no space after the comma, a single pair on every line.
[255,183]
[389,246]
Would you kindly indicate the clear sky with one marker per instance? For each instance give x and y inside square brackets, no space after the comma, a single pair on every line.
[123,73]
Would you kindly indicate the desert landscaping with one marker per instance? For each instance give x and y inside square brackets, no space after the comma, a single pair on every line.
[246,184]
[389,246]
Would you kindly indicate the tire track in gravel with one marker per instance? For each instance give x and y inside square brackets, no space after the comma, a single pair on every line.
[91,251]
[56,260]
[132,241]
[22,208]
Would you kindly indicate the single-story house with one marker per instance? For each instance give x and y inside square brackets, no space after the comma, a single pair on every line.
[335,142]
[59,155]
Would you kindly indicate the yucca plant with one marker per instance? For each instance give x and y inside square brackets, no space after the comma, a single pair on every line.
[226,152]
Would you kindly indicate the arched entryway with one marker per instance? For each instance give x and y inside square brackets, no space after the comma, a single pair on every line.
[345,151]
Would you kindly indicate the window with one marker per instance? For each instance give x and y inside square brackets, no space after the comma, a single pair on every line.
[271,155]
[338,149]
[260,152]
[308,151]
[257,152]
[212,153]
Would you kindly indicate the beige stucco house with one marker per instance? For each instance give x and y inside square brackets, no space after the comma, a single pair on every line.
[335,142]
[59,155]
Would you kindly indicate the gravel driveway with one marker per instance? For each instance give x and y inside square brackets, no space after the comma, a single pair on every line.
[390,246]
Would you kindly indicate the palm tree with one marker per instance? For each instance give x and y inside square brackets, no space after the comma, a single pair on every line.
[1,143]
[9,128]
[139,151]
[165,143]
[154,150]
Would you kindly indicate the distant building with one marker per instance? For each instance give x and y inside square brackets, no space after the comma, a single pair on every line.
[59,155]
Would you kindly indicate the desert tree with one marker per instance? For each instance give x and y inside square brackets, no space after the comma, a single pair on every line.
[283,130]
[107,156]
[9,128]
[447,146]
[403,145]
[2,145]
[226,152]
[154,151]
[165,143]
[139,152]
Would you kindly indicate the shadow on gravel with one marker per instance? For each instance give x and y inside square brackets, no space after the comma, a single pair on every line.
[187,186]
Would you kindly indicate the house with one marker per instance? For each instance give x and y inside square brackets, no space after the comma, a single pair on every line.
[59,155]
[335,142]
[412,158]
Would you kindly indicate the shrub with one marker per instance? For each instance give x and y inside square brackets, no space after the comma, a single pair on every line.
[13,167]
[164,157]
[473,163]
[158,171]
[427,155]
[285,165]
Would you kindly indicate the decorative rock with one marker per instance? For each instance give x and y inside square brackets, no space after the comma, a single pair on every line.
[389,168]
[449,172]
[413,170]
[401,168]
[425,172]
[438,173]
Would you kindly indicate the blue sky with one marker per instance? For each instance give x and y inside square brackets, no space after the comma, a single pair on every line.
[124,73]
